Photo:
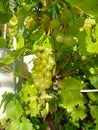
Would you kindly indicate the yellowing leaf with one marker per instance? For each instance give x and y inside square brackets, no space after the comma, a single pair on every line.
[13,21]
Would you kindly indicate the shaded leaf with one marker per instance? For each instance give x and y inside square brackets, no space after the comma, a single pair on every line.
[3,43]
[94,113]
[91,9]
[94,81]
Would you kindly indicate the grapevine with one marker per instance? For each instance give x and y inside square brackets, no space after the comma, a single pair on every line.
[63,37]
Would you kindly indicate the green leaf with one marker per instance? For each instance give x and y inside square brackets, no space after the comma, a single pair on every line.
[70,94]
[78,112]
[3,43]
[87,39]
[14,110]
[82,43]
[24,124]
[91,9]
[7,97]
[4,4]
[7,60]
[47,43]
[15,124]
[20,39]
[30,90]
[5,17]
[94,113]
[13,21]
[10,58]
[94,81]
[93,97]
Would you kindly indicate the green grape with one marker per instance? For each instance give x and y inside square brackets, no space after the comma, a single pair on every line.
[60,37]
[44,61]
[55,32]
[34,75]
[72,31]
[38,54]
[39,67]
[49,67]
[66,16]
[37,84]
[37,75]
[37,61]
[69,41]
[40,74]
[48,74]
[44,55]
[42,71]
[48,81]
[55,24]
[79,22]
[43,86]
[41,54]
[51,61]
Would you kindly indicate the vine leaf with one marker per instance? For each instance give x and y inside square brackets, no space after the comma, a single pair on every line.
[94,81]
[91,9]
[78,112]
[70,95]
[24,124]
[11,57]
[5,13]
[82,44]
[14,110]
[72,99]
[3,43]
[94,114]
[93,97]
[20,39]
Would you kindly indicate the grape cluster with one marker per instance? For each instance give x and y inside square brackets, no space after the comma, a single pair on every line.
[42,71]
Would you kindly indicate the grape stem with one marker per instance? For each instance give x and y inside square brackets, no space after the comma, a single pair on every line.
[67,58]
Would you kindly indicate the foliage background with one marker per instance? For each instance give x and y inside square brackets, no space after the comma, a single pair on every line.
[63,36]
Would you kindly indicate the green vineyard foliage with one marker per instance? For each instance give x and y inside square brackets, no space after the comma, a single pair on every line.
[63,36]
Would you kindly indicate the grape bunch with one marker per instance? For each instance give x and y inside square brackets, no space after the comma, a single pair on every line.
[43,68]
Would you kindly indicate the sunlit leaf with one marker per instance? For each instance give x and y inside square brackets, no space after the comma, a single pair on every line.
[20,40]
[14,110]
[78,112]
[23,125]
[70,94]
